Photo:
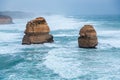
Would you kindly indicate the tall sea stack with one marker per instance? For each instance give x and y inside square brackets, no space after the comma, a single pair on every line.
[88,37]
[37,32]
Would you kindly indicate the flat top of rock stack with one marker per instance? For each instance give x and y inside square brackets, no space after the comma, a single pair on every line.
[39,20]
[38,25]
[87,29]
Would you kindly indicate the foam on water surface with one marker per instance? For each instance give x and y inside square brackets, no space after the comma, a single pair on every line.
[61,60]
[65,67]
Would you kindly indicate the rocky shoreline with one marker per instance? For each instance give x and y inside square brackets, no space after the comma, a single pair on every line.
[5,19]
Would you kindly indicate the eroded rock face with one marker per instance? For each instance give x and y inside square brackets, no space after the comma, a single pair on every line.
[5,19]
[88,37]
[37,32]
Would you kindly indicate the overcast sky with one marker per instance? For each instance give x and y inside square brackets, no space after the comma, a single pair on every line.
[76,7]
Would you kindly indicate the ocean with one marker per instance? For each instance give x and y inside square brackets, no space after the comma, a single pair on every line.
[61,60]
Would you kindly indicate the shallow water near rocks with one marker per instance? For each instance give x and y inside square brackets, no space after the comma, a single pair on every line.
[61,60]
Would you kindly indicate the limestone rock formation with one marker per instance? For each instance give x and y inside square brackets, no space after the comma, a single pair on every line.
[5,19]
[88,37]
[37,32]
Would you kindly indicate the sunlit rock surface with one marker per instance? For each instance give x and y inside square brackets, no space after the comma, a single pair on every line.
[88,37]
[37,32]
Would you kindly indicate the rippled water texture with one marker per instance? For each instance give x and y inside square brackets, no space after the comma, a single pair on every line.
[61,60]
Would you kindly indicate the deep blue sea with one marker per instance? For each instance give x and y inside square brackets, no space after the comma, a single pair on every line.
[61,60]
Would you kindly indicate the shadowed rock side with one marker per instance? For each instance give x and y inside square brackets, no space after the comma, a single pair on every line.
[37,32]
[5,19]
[88,37]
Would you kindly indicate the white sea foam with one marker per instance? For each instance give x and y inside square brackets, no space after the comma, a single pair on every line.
[62,23]
[109,33]
[109,43]
[109,39]
[10,49]
[8,37]
[52,45]
[60,61]
[64,35]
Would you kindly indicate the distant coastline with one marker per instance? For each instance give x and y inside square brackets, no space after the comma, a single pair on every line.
[16,14]
[5,19]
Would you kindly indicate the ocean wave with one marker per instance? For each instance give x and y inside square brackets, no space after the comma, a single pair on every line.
[107,43]
[63,23]
[8,37]
[62,62]
[109,33]
[64,35]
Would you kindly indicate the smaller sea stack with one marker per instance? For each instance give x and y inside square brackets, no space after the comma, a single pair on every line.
[88,37]
[37,32]
[5,19]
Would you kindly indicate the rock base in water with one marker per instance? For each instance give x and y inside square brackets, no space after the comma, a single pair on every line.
[37,32]
[88,37]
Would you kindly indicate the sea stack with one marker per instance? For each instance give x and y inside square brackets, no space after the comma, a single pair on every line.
[5,19]
[37,32]
[88,37]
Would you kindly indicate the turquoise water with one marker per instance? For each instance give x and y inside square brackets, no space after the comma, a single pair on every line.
[61,60]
